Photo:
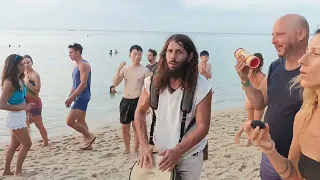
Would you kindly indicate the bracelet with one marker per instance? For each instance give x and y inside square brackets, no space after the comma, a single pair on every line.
[246,84]
[269,151]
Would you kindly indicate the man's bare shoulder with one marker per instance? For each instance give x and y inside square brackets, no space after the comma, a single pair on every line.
[84,66]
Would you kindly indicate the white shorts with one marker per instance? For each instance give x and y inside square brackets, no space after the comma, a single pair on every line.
[16,119]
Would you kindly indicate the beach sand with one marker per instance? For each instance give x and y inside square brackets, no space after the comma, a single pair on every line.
[64,160]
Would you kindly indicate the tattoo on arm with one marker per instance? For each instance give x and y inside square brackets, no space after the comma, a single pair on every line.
[288,170]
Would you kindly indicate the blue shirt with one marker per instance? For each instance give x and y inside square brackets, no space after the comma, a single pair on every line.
[86,93]
[18,96]
[282,105]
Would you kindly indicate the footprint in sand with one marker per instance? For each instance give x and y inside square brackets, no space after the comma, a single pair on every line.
[227,155]
[242,168]
[256,169]
[76,143]
[116,148]
[113,171]
[101,141]
[55,169]
[94,175]
[107,156]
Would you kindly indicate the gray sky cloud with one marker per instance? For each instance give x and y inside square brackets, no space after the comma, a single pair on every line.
[162,15]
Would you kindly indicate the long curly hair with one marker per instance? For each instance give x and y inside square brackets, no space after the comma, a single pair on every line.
[190,79]
[11,71]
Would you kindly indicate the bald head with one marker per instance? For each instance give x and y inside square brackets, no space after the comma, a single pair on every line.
[294,22]
[290,35]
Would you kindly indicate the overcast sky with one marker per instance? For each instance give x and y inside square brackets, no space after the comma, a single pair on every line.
[253,16]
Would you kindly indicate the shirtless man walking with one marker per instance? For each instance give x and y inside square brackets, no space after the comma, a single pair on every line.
[80,95]
[134,76]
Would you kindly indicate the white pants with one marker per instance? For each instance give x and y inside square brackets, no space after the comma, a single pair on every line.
[16,119]
[190,168]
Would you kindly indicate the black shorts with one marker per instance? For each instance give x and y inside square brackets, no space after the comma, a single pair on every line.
[127,110]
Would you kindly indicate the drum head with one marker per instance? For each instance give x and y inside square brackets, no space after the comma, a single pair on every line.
[138,173]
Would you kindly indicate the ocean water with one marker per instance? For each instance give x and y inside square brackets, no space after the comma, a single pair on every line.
[49,50]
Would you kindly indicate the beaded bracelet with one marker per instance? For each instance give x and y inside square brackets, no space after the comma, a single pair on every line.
[269,151]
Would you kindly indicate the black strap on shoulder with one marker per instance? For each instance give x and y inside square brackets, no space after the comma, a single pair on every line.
[183,124]
[185,107]
[152,127]
[154,105]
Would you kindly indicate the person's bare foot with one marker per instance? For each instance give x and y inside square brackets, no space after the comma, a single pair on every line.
[126,152]
[237,138]
[7,173]
[249,143]
[134,155]
[18,174]
[88,142]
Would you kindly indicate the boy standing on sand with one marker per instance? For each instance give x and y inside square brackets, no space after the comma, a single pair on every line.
[134,76]
[80,95]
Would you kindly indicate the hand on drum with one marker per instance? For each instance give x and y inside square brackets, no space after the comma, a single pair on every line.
[170,160]
[146,157]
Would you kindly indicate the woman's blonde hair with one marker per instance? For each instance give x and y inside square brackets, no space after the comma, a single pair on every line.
[310,100]
[309,97]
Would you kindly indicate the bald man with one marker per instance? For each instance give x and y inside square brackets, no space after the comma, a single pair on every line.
[290,38]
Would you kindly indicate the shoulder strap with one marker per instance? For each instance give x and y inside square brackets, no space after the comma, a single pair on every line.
[154,98]
[185,107]
[183,124]
[152,127]
[187,100]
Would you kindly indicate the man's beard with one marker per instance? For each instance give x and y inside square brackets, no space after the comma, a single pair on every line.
[287,51]
[180,72]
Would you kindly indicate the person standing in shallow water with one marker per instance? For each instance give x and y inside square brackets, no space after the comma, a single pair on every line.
[134,76]
[80,95]
[33,85]
[12,99]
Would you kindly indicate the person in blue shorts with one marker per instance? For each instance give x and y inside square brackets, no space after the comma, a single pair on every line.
[80,96]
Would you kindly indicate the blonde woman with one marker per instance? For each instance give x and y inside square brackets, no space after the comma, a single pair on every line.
[304,156]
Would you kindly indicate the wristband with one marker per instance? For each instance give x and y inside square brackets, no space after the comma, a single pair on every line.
[246,84]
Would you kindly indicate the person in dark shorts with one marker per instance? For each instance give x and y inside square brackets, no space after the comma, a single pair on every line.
[33,85]
[290,38]
[80,96]
[127,109]
[152,55]
[134,76]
